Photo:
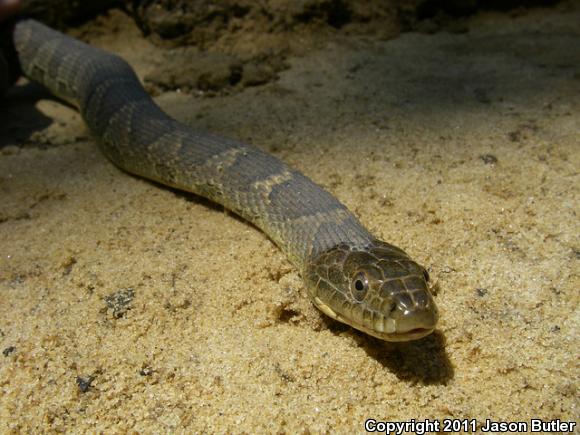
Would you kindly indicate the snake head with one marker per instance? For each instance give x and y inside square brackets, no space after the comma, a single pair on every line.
[376,289]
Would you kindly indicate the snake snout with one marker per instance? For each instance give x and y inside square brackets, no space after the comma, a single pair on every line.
[417,318]
[415,314]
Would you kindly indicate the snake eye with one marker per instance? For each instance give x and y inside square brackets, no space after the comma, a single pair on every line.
[359,286]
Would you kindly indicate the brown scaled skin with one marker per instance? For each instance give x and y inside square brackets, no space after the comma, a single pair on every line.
[377,289]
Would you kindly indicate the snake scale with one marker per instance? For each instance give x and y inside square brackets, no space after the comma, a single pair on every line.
[349,274]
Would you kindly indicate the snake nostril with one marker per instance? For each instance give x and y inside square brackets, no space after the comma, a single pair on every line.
[405,303]
[422,300]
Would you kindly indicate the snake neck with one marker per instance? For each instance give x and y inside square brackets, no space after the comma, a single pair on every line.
[320,229]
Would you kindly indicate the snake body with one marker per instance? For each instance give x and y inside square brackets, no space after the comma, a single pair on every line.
[350,275]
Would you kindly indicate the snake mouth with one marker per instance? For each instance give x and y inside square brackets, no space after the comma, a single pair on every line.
[413,334]
[392,335]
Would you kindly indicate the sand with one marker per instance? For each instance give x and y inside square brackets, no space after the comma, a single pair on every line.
[126,306]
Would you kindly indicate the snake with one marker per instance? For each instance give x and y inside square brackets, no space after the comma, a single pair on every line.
[349,274]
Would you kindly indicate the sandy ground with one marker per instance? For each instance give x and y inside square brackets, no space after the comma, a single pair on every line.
[128,306]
